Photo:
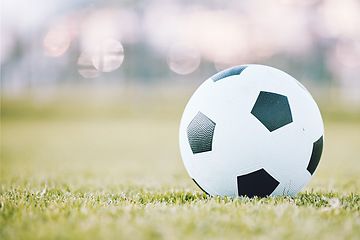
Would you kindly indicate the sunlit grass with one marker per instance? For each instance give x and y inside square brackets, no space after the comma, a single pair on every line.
[71,170]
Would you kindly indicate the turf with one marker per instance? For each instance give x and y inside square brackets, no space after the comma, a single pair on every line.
[74,170]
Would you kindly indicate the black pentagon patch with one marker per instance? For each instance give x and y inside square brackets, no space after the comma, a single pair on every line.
[315,155]
[272,110]
[200,133]
[258,183]
[228,72]
[199,186]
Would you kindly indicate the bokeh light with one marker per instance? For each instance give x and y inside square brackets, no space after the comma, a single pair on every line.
[57,41]
[183,58]
[108,56]
[86,67]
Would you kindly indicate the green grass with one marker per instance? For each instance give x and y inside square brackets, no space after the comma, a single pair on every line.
[74,170]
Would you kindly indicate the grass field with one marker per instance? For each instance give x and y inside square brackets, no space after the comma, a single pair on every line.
[76,170]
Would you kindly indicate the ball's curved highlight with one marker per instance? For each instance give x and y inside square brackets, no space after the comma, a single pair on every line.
[251,130]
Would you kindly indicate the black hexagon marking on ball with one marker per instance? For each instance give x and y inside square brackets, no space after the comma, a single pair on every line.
[259,183]
[200,133]
[272,110]
[315,155]
[228,72]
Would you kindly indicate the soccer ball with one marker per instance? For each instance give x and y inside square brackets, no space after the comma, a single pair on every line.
[251,130]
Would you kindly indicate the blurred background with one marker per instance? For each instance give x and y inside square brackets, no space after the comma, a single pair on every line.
[111,45]
[92,92]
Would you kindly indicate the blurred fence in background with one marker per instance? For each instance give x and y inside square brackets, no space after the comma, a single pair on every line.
[49,44]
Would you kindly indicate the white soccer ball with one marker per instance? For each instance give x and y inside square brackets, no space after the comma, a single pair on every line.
[251,130]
